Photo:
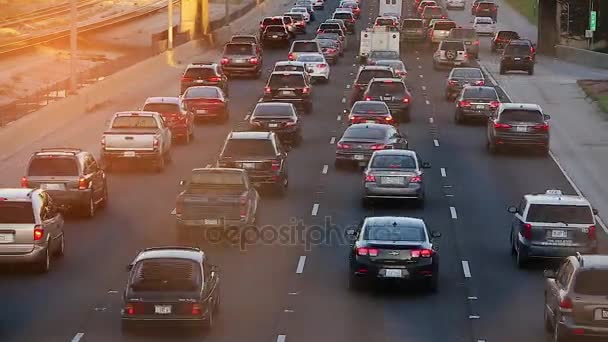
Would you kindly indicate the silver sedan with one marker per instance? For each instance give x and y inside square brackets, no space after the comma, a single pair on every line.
[394,174]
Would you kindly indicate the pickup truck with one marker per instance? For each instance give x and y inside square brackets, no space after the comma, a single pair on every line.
[136,135]
[216,197]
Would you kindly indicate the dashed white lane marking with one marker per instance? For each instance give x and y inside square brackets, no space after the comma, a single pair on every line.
[443,174]
[472,298]
[431,120]
[453,213]
[78,337]
[417,58]
[474,317]
[339,118]
[281,338]
[420,67]
[332,140]
[174,211]
[301,264]
[427,102]
[354,65]
[348,86]
[325,168]
[423,88]
[436,142]
[246,117]
[421,76]
[344,100]
[466,269]
[315,209]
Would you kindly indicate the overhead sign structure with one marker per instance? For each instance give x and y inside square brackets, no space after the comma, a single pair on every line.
[593,20]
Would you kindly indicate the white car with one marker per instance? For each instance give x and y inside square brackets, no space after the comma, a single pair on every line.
[318,4]
[316,64]
[460,4]
[484,25]
[301,10]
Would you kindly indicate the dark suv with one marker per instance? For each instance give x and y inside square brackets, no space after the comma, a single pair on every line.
[486,9]
[278,20]
[502,38]
[242,58]
[71,176]
[281,118]
[576,298]
[394,93]
[203,73]
[518,55]
[365,74]
[412,29]
[518,124]
[261,154]
[291,87]
[276,34]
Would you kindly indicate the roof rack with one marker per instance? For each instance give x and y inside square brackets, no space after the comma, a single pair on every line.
[580,259]
[72,150]
[194,249]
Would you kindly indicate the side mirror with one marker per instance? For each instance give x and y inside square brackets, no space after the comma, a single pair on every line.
[129,267]
[512,210]
[182,182]
[549,274]
[436,234]
[426,165]
[595,211]
[547,116]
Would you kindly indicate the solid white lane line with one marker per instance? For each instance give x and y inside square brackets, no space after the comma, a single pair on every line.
[443,174]
[174,211]
[436,142]
[344,100]
[281,338]
[423,88]
[431,120]
[315,209]
[339,118]
[420,67]
[325,168]
[78,337]
[421,76]
[453,213]
[301,264]
[246,117]
[427,102]
[332,140]
[466,269]
[417,58]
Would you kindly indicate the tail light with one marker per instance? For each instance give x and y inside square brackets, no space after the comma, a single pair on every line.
[527,232]
[24,182]
[255,123]
[129,309]
[196,309]
[421,253]
[498,125]
[267,90]
[406,100]
[416,179]
[452,82]
[543,127]
[322,65]
[370,178]
[291,123]
[155,143]
[376,147]
[224,61]
[253,60]
[215,79]
[179,208]
[305,90]
[38,232]
[319,31]
[343,146]
[493,9]
[103,142]
[566,305]
[403,73]
[592,233]
[243,206]
[494,104]
[476,42]
[367,98]
[388,119]
[261,26]
[464,103]
[291,57]
[186,79]
[330,50]
[83,183]
[480,83]
[276,165]
[367,251]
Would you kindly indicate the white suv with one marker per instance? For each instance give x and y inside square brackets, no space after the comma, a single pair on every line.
[450,53]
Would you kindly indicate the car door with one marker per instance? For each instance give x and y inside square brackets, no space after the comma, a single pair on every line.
[95,174]
[165,134]
[517,220]
[562,282]
[49,216]
[210,284]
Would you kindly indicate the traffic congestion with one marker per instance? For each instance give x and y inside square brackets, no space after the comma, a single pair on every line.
[345,118]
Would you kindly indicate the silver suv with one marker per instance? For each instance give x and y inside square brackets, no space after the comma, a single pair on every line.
[576,298]
[450,53]
[552,225]
[31,228]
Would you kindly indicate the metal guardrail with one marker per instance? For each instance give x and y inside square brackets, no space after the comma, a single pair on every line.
[47,12]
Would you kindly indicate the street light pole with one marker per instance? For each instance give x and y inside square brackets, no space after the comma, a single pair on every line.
[170,28]
[73,46]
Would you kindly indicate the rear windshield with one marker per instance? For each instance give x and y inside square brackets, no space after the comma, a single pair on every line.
[393,161]
[431,11]
[383,88]
[297,17]
[53,166]
[343,15]
[134,122]
[366,75]
[199,179]
[326,43]
[305,47]
[286,81]
[365,107]
[570,214]
[484,20]
[330,26]
[272,110]
[467,73]
[208,92]
[239,49]
[203,73]
[275,28]
[485,5]
[16,212]
[458,46]
[310,58]
[444,26]
[480,93]
[162,108]
[384,54]
[517,49]
[514,115]
[364,133]
[508,35]
[397,65]
[328,35]
[392,233]
[269,21]
[412,24]
[384,22]
[462,33]
[289,67]
[165,275]
[592,283]
[248,148]
[249,40]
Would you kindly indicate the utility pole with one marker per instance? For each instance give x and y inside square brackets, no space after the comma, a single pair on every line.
[170,28]
[73,46]
[227,10]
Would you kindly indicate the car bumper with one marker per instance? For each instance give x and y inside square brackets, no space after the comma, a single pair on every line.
[536,251]
[473,113]
[139,155]
[159,320]
[70,198]
[373,271]
[322,74]
[567,328]
[443,62]
[35,255]
[455,5]
[517,65]
[521,141]
[372,190]
[209,113]
[362,157]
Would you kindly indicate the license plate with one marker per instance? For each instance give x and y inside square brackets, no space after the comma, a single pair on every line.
[52,187]
[162,309]
[240,61]
[467,43]
[560,234]
[287,92]
[201,111]
[248,165]
[521,129]
[129,154]
[370,121]
[210,221]
[275,36]
[7,238]
[359,157]
[273,125]
[199,81]
[387,98]
[392,180]
[517,59]
[393,273]
[480,107]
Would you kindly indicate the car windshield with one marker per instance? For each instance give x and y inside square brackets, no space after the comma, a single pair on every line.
[275,28]
[396,65]
[286,81]
[167,275]
[386,88]
[366,75]
[412,24]
[482,93]
[463,34]
[53,166]
[384,55]
[365,107]
[569,214]
[444,26]
[393,162]
[16,212]
[201,92]
[310,58]
[201,73]
[343,15]
[236,148]
[467,73]
[354,132]
[215,178]
[517,49]
[516,115]
[162,107]
[457,46]
[272,110]
[393,233]
[592,283]
[239,49]
[305,47]
[145,122]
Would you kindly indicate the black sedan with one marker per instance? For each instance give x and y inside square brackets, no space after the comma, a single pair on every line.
[393,248]
[359,142]
[476,103]
[278,117]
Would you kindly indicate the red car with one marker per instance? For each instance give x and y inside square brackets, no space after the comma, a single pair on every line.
[206,102]
[179,120]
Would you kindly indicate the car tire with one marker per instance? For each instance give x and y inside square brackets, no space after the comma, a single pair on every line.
[159,164]
[210,321]
[531,71]
[104,201]
[558,336]
[127,328]
[548,325]
[545,150]
[405,115]
[435,66]
[521,258]
[420,201]
[88,208]
[280,189]
[491,147]
[458,117]
[512,243]
[186,139]
[43,265]
[60,251]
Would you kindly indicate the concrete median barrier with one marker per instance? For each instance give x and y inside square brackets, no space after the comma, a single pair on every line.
[581,56]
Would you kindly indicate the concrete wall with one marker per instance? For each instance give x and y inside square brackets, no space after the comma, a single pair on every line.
[581,56]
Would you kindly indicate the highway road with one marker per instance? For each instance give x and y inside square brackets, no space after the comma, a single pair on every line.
[287,292]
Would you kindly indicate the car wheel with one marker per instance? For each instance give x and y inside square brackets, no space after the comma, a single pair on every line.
[545,150]
[366,202]
[281,188]
[88,208]
[458,117]
[209,322]
[355,283]
[420,201]
[159,164]
[448,96]
[521,259]
[186,138]
[405,115]
[512,243]
[44,264]
[491,147]
[558,336]
[548,325]
[60,251]
[435,66]
[493,48]
[126,328]
[104,200]
[531,71]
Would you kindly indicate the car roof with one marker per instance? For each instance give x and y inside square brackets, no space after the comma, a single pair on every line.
[250,135]
[466,68]
[412,19]
[171,252]
[521,106]
[217,169]
[18,194]
[202,65]
[66,151]
[556,199]
[274,104]
[390,220]
[162,99]
[392,61]
[244,36]
[392,152]
[480,88]
[287,73]
[520,42]
[136,112]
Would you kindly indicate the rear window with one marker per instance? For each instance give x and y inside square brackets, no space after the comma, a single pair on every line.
[134,122]
[480,93]
[384,88]
[202,73]
[165,275]
[286,81]
[239,49]
[330,26]
[393,233]
[305,47]
[326,43]
[432,11]
[457,46]
[199,179]
[444,26]
[366,75]
[508,35]
[310,58]
[289,68]
[364,133]
[16,212]
[53,166]
[272,110]
[485,5]
[393,162]
[592,283]
[384,22]
[343,15]
[270,21]
[463,34]
[412,24]
[514,115]
[275,28]
[249,40]
[365,107]
[467,73]
[518,49]
[248,148]
[327,35]
[162,107]
[384,54]
[570,214]
[484,20]
[207,92]
[397,65]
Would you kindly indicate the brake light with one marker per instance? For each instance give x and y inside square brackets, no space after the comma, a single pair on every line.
[215,79]
[566,305]
[367,98]
[186,79]
[367,251]
[322,65]
[253,60]
[370,178]
[331,50]
[464,103]
[416,179]
[276,165]
[406,100]
[83,183]
[243,203]
[388,119]
[343,146]
[494,104]
[499,125]
[476,42]
[291,57]
[376,147]
[178,208]
[224,61]
[196,309]
[24,182]
[388,81]
[592,233]
[543,127]
[129,309]
[155,143]
[267,90]
[480,83]
[262,26]
[527,232]
[453,82]
[38,232]
[421,253]
[103,142]
[305,90]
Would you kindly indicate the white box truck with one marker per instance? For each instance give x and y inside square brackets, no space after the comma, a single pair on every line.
[390,8]
[379,38]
